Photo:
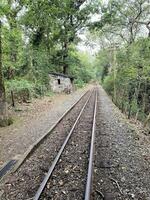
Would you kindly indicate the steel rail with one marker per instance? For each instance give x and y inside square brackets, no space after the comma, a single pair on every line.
[91,157]
[54,163]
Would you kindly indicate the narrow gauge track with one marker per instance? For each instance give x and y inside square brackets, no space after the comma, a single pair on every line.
[24,183]
[68,176]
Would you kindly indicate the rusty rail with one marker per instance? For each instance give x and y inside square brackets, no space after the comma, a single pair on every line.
[91,158]
[52,167]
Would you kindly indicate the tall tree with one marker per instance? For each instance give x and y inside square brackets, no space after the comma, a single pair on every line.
[14,33]
[57,26]
[3,104]
[124,19]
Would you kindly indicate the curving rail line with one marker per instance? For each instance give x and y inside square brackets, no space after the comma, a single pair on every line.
[91,154]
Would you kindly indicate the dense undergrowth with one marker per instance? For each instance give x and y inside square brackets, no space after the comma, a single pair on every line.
[128,79]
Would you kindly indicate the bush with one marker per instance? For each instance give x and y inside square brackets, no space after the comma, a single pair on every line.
[22,89]
[39,90]
[108,84]
[79,83]
[6,122]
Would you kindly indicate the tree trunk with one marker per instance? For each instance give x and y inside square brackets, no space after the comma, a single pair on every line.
[114,75]
[129,111]
[12,99]
[147,120]
[65,64]
[144,96]
[3,104]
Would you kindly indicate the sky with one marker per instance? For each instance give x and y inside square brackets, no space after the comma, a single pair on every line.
[87,45]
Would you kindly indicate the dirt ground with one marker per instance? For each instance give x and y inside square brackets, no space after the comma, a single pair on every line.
[31,121]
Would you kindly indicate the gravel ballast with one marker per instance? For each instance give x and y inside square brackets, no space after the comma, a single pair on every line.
[121,166]
[122,163]
[69,178]
[24,183]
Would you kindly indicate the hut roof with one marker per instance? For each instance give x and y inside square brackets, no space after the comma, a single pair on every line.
[60,74]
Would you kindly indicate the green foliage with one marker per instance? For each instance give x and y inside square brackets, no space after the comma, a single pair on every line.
[102,64]
[22,89]
[6,122]
[49,94]
[132,79]
[39,37]
[81,67]
[122,20]
[79,83]
[108,84]
[39,89]
[19,85]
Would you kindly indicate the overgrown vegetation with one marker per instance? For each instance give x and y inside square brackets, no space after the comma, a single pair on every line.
[124,58]
[129,84]
[37,37]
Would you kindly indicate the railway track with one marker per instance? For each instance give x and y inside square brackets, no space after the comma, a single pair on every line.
[61,172]
[72,177]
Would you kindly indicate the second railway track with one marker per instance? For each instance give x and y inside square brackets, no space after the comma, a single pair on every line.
[71,177]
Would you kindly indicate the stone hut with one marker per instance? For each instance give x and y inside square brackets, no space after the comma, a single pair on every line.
[61,82]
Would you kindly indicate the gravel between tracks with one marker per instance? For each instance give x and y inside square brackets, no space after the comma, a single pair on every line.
[23,184]
[69,178]
[122,162]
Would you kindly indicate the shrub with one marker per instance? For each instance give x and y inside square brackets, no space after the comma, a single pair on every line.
[79,83]
[22,89]
[108,84]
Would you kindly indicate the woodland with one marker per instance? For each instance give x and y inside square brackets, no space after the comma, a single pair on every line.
[42,36]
